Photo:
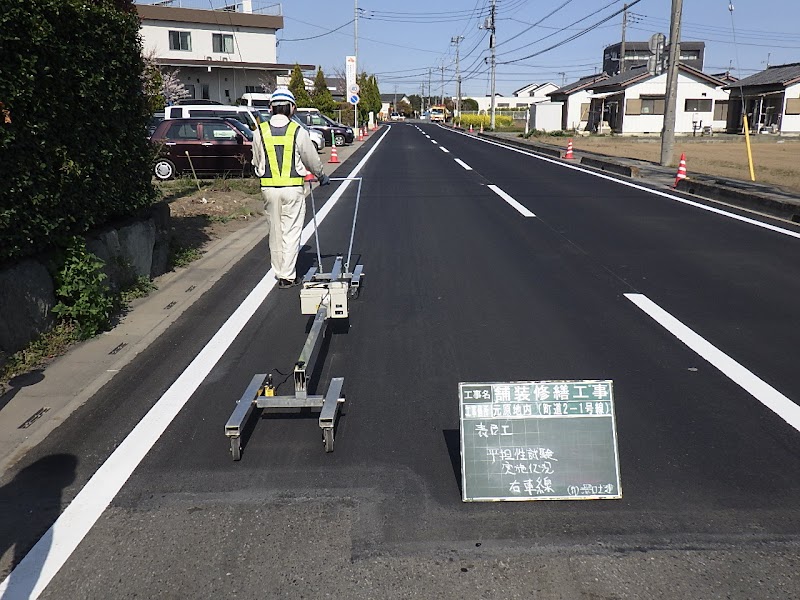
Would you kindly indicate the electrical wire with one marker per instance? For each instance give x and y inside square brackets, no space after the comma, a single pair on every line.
[532,25]
[313,37]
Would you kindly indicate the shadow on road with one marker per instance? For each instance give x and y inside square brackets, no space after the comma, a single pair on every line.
[29,505]
[452,439]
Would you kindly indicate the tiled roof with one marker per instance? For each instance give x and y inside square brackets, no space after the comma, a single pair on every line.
[781,75]
[582,83]
[625,78]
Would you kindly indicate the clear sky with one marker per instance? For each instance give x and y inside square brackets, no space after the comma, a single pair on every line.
[401,41]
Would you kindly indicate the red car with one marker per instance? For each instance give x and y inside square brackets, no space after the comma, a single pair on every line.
[213,146]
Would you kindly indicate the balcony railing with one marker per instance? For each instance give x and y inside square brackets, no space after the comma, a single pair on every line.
[261,7]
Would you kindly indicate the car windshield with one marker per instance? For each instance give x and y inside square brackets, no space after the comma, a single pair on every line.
[241,127]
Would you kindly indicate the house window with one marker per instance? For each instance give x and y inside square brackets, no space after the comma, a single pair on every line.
[253,89]
[699,105]
[502,105]
[206,92]
[189,91]
[652,105]
[721,110]
[180,40]
[222,42]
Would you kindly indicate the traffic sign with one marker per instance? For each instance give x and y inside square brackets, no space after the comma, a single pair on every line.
[354,98]
[355,88]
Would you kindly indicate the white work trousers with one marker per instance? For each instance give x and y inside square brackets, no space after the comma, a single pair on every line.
[286,211]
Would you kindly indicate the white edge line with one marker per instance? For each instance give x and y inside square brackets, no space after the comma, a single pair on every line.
[635,186]
[54,548]
[521,209]
[463,164]
[751,383]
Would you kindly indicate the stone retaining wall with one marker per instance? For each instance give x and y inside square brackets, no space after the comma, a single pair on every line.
[138,248]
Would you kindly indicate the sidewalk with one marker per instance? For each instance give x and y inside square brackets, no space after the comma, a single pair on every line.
[758,197]
[46,398]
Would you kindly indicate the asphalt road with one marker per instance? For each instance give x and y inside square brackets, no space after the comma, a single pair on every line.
[460,286]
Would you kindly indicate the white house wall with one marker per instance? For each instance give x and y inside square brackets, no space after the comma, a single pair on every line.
[688,88]
[250,44]
[790,123]
[485,103]
[574,102]
[220,80]
[546,116]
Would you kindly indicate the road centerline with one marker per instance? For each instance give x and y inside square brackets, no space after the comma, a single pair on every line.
[516,205]
[463,164]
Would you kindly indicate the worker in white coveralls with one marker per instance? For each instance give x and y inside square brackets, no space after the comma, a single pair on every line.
[283,154]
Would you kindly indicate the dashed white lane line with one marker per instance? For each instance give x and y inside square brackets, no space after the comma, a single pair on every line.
[32,575]
[463,164]
[434,141]
[635,186]
[521,209]
[443,149]
[751,383]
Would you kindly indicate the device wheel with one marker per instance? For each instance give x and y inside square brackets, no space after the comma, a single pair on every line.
[164,169]
[236,449]
[339,139]
[327,438]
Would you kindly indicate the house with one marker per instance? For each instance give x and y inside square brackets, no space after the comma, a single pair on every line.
[633,102]
[576,101]
[521,98]
[771,99]
[638,54]
[389,102]
[218,55]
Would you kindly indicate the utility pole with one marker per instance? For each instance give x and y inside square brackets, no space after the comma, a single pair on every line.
[394,106]
[563,78]
[457,40]
[490,25]
[429,87]
[355,53]
[442,95]
[622,48]
[671,100]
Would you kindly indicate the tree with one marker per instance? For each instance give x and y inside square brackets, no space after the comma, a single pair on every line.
[321,97]
[416,103]
[297,86]
[469,104]
[172,88]
[152,82]
[404,108]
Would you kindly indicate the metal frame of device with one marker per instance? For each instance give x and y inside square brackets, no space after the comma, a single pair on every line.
[324,295]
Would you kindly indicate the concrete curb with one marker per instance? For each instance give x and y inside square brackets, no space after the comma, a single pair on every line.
[751,200]
[554,152]
[610,166]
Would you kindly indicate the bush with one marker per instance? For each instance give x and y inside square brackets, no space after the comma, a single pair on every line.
[477,120]
[75,154]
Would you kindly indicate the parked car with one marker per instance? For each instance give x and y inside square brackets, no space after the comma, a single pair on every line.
[255,100]
[155,119]
[244,113]
[215,146]
[330,129]
[316,136]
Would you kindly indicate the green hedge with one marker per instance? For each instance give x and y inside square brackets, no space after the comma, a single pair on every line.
[75,154]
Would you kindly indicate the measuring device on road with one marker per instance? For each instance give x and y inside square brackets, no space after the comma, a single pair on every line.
[325,295]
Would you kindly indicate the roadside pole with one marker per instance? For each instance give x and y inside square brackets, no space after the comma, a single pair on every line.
[671,100]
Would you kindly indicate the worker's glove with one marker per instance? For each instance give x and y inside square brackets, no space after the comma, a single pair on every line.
[324,179]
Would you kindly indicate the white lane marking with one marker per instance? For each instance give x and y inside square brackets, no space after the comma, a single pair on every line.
[443,149]
[712,209]
[521,209]
[751,383]
[463,164]
[434,141]
[40,565]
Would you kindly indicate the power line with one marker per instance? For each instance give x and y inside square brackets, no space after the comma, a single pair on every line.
[313,37]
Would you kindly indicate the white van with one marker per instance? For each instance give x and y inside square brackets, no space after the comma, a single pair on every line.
[243,113]
[255,100]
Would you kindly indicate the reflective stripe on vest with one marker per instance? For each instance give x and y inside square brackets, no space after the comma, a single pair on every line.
[280,173]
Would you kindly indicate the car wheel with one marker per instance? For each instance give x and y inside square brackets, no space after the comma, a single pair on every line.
[164,169]
[339,139]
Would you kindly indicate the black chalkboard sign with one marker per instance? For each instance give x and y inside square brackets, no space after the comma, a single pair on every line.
[538,440]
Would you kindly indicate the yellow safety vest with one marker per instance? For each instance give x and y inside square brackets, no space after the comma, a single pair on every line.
[280,173]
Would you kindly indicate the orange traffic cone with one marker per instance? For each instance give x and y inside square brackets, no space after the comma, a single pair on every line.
[569,154]
[481,126]
[470,129]
[681,170]
[360,134]
[334,156]
[366,131]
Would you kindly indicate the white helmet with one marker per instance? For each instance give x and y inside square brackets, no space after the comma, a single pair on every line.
[283,96]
